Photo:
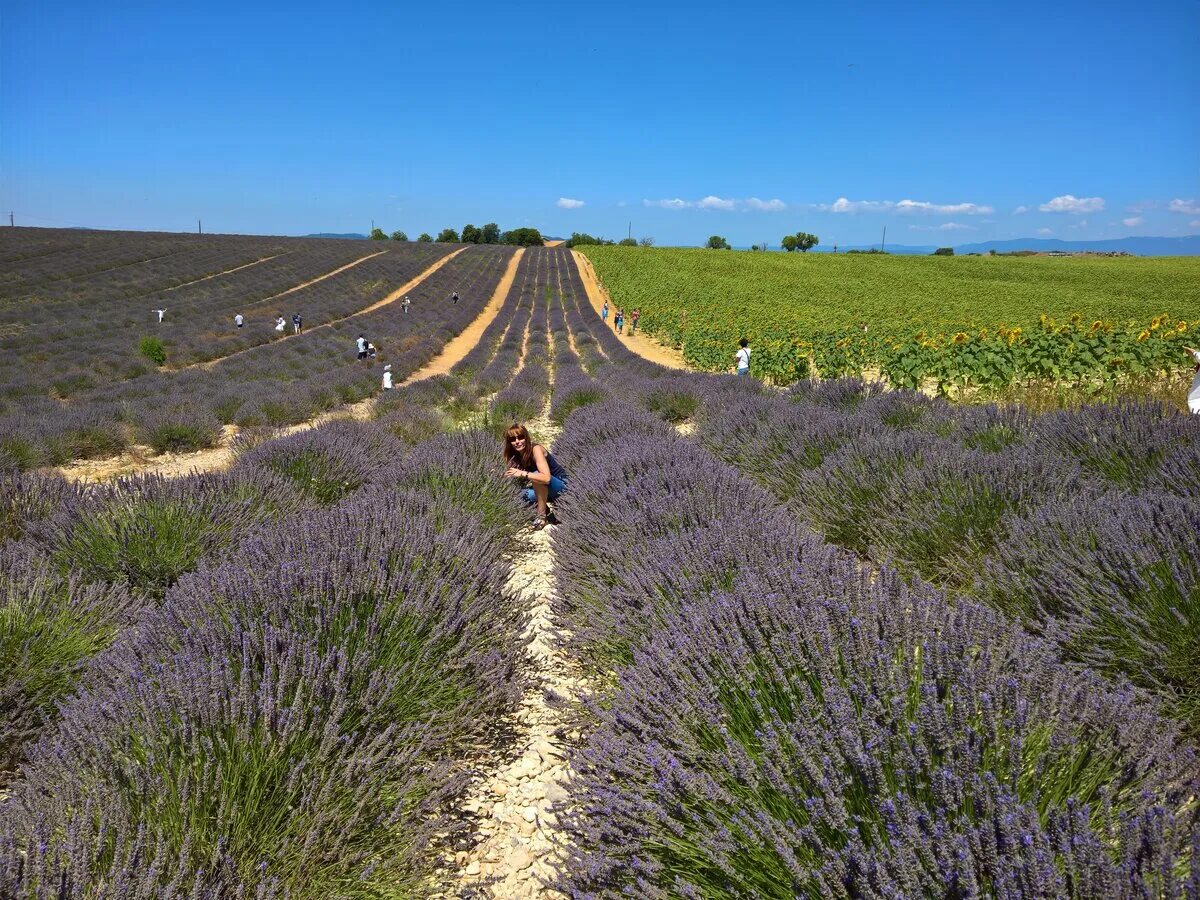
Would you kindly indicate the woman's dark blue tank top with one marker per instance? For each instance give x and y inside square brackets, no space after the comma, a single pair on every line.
[556,470]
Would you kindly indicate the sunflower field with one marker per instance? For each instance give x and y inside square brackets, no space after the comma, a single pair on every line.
[955,322]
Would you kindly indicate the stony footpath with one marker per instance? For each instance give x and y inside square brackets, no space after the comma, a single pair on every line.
[516,854]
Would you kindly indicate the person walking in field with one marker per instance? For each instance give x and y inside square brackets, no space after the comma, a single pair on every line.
[361,343]
[1193,397]
[525,459]
[297,323]
[161,313]
[387,377]
[742,357]
[619,321]
[406,304]
[238,320]
[454,297]
[604,313]
[280,324]
[371,351]
[633,320]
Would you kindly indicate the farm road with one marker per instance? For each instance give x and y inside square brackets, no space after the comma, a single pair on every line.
[641,344]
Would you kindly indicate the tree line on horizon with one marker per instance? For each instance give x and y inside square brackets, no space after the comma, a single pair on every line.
[471,234]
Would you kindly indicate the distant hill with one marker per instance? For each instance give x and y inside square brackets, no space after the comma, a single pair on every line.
[1187,245]
[349,236]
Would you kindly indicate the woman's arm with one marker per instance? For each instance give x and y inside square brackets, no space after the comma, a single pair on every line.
[542,475]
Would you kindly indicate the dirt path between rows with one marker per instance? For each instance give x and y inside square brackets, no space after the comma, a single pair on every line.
[299,287]
[458,347]
[641,344]
[218,274]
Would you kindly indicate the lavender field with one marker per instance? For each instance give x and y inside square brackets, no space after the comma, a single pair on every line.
[833,641]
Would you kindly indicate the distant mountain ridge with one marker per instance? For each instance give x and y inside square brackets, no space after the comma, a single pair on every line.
[1185,245]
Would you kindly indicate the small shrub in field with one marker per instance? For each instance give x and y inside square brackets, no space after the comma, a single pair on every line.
[574,400]
[154,350]
[413,424]
[148,531]
[327,464]
[181,430]
[49,626]
[18,453]
[672,405]
[28,501]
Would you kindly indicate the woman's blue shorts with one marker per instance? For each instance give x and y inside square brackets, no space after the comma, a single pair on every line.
[557,486]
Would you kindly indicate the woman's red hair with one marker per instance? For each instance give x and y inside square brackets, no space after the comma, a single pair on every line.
[524,459]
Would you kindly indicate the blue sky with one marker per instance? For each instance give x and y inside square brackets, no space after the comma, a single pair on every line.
[750,121]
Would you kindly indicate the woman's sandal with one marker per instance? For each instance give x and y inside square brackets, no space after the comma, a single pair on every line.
[539,522]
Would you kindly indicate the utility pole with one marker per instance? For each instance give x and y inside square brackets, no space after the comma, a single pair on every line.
[199,227]
[883,244]
[629,233]
[11,223]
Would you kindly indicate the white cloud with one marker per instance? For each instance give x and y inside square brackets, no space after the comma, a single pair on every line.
[945,226]
[1082,223]
[622,204]
[945,209]
[568,203]
[1188,207]
[775,205]
[1194,224]
[1132,221]
[1020,210]
[720,203]
[1045,231]
[1069,203]
[845,205]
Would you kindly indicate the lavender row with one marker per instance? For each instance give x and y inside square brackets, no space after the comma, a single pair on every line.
[784,723]
[293,719]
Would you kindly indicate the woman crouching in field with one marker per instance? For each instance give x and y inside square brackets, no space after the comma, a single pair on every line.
[547,479]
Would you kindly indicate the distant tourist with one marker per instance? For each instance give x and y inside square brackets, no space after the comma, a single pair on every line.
[604,312]
[742,357]
[361,343]
[619,321]
[525,459]
[454,297]
[238,320]
[387,377]
[633,320]
[297,323]
[280,324]
[160,312]
[1194,390]
[370,350]
[406,304]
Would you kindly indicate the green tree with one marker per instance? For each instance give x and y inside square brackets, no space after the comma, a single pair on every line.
[490,233]
[447,236]
[627,242]
[806,241]
[424,238]
[471,235]
[399,236]
[788,243]
[716,242]
[378,235]
[944,251]
[647,241]
[523,237]
[580,239]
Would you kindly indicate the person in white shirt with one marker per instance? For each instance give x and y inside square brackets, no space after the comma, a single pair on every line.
[160,315]
[406,303]
[238,320]
[1194,390]
[387,377]
[279,324]
[361,343]
[742,357]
